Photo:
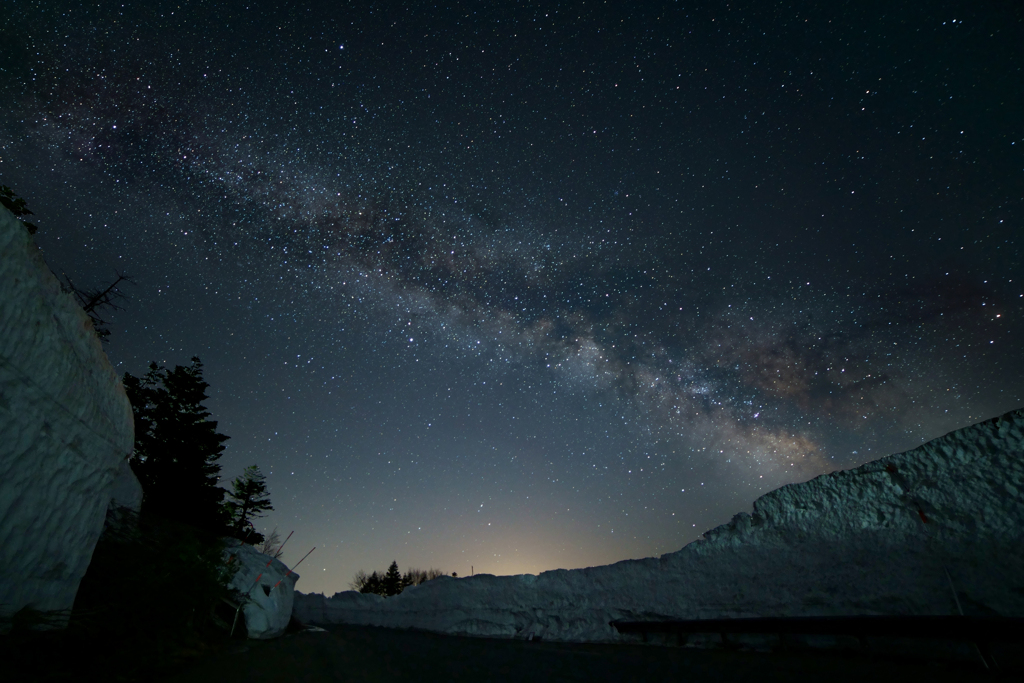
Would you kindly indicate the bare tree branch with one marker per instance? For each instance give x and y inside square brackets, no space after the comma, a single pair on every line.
[93,302]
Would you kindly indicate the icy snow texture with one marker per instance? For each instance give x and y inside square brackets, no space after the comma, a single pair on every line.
[66,429]
[877,539]
[268,609]
[126,491]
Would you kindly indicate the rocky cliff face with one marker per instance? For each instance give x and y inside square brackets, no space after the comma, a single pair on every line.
[65,430]
[889,537]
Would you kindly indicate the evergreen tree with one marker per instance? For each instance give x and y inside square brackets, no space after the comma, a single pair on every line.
[392,581]
[248,500]
[177,446]
[371,584]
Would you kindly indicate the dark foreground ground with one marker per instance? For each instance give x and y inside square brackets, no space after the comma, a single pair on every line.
[350,653]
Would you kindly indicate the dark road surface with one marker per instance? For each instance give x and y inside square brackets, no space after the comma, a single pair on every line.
[349,653]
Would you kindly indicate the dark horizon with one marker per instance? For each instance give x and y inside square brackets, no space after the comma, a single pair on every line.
[525,288]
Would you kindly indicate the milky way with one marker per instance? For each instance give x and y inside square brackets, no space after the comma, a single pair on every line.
[595,279]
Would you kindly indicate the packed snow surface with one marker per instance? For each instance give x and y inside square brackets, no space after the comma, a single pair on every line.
[889,537]
[66,429]
[268,589]
[126,491]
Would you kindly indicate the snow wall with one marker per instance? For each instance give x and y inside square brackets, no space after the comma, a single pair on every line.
[66,428]
[269,588]
[877,539]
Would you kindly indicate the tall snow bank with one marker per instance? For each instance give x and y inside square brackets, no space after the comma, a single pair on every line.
[877,539]
[66,429]
[268,589]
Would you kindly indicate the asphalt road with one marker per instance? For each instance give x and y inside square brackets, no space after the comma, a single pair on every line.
[349,653]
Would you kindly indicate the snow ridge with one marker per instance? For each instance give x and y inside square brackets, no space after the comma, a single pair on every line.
[887,537]
[66,428]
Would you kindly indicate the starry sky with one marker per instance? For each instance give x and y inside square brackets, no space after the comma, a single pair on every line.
[514,287]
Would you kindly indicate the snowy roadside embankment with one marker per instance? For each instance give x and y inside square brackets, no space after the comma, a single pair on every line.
[269,588]
[66,428]
[877,539]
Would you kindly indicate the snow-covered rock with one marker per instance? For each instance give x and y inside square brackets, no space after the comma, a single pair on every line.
[877,539]
[126,491]
[66,429]
[267,609]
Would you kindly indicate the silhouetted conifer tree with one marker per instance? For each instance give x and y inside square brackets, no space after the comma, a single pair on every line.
[371,584]
[177,446]
[384,583]
[248,500]
[392,581]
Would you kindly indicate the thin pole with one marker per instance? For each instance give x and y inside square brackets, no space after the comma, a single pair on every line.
[281,547]
[260,575]
[293,568]
[952,589]
[235,622]
[268,564]
[977,648]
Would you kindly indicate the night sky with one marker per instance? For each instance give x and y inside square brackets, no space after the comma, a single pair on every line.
[519,287]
